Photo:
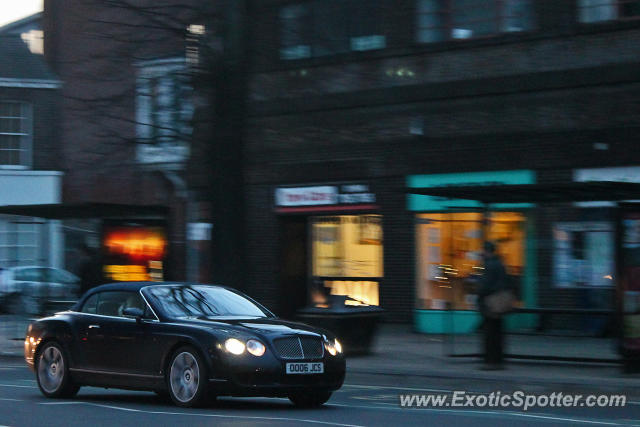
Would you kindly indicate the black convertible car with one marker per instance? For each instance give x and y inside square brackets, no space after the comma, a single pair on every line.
[189,341]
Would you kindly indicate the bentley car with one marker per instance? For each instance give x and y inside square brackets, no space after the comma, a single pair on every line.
[189,341]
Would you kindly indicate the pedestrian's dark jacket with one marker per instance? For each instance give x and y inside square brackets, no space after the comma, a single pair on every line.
[493,280]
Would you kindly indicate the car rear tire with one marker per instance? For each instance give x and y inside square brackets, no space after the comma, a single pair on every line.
[187,379]
[52,372]
[310,399]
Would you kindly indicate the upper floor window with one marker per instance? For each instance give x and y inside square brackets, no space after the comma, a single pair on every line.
[327,27]
[163,112]
[15,134]
[439,20]
[607,10]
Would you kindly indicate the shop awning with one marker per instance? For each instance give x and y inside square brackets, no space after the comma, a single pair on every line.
[591,191]
[87,210]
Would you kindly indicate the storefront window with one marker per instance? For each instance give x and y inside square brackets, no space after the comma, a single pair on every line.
[347,258]
[583,254]
[449,249]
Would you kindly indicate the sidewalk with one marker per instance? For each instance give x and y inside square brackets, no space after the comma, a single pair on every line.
[402,354]
[12,332]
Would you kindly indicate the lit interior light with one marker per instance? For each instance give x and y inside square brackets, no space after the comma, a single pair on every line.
[196,29]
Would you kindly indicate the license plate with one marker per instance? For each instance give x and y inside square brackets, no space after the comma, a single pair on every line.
[305,368]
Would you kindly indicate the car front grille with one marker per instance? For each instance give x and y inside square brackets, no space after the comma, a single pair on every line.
[311,347]
[299,347]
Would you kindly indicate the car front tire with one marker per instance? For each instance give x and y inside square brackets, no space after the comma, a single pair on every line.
[52,372]
[310,399]
[187,378]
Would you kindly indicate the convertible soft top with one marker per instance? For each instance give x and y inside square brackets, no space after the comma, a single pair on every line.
[127,286]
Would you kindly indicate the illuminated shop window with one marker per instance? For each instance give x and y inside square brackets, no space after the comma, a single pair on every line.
[449,255]
[347,258]
[134,254]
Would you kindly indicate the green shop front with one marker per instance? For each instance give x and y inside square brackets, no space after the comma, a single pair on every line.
[449,234]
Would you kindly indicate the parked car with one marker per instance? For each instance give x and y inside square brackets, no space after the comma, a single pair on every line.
[190,341]
[31,289]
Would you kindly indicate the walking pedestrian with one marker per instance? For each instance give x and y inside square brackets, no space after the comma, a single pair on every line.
[495,299]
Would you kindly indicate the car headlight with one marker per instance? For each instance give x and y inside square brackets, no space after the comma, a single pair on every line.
[330,348]
[337,345]
[234,346]
[333,347]
[256,348]
[328,345]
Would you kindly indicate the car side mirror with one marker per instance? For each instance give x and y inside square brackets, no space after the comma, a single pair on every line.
[134,312]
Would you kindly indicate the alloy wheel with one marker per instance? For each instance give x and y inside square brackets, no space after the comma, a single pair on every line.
[184,377]
[51,369]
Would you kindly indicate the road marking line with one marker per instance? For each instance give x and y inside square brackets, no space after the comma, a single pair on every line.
[16,385]
[12,400]
[119,408]
[396,388]
[59,403]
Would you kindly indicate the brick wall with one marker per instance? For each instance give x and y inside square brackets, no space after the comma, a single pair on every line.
[94,47]
[538,101]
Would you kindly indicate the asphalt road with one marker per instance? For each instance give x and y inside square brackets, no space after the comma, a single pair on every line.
[363,401]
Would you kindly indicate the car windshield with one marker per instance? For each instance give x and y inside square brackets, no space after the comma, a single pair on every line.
[204,301]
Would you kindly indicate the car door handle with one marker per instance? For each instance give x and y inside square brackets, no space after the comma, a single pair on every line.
[94,326]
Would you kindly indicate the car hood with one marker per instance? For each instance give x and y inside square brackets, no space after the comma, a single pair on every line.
[265,327]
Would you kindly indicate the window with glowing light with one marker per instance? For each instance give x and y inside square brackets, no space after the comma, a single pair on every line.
[347,255]
[134,253]
[449,255]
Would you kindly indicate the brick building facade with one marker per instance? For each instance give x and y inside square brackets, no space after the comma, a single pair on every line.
[554,94]
[126,111]
[319,116]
